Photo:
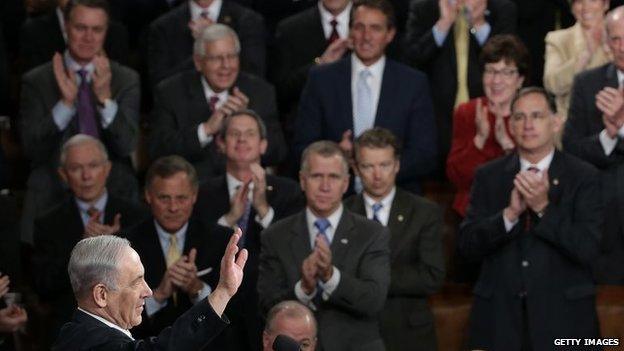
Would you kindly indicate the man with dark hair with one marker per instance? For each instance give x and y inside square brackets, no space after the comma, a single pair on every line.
[534,220]
[44,35]
[79,91]
[249,198]
[329,259]
[416,251]
[174,246]
[343,99]
[91,210]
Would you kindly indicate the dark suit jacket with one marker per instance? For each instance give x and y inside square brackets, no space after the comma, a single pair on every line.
[55,235]
[180,106]
[41,37]
[192,331]
[213,201]
[210,242]
[549,264]
[416,268]
[170,43]
[4,76]
[326,111]
[348,320]
[440,63]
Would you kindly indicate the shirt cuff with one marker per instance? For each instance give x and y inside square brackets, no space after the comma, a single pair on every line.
[621,132]
[509,224]
[203,293]
[152,306]
[302,296]
[268,218]
[222,222]
[331,284]
[438,36]
[62,114]
[108,112]
[482,33]
[204,139]
[607,143]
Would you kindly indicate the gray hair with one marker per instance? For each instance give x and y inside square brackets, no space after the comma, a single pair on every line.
[326,149]
[289,309]
[246,112]
[81,139]
[95,261]
[213,33]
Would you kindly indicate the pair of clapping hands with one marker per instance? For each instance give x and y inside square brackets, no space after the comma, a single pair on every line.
[12,317]
[317,266]
[182,275]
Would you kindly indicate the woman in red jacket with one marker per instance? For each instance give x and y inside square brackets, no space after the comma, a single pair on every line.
[480,125]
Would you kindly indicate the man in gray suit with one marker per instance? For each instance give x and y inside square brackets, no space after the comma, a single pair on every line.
[417,257]
[333,261]
[80,91]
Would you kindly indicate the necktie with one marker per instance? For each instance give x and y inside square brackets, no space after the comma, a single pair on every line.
[376,208]
[85,107]
[243,222]
[204,15]
[92,211]
[173,254]
[214,100]
[460,33]
[334,33]
[364,118]
[527,221]
[321,224]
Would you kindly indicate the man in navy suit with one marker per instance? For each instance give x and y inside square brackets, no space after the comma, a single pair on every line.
[344,98]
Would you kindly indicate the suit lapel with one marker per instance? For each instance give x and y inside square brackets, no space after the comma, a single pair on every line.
[76,227]
[157,264]
[317,36]
[342,236]
[300,239]
[556,177]
[611,77]
[398,220]
[344,91]
[225,15]
[388,91]
[197,100]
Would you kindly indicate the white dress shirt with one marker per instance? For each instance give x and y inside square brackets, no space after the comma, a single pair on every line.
[112,325]
[99,204]
[205,139]
[607,143]
[213,10]
[384,212]
[233,185]
[342,27]
[374,82]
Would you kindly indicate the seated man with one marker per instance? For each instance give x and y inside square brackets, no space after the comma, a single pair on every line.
[174,246]
[189,107]
[108,282]
[248,198]
[91,210]
[417,264]
[80,91]
[328,258]
[292,319]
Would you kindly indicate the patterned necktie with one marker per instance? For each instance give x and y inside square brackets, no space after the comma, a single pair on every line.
[321,224]
[462,45]
[334,33]
[214,100]
[92,211]
[85,107]
[243,222]
[376,208]
[364,117]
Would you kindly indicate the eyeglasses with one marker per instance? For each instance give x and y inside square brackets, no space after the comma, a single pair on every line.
[221,58]
[505,73]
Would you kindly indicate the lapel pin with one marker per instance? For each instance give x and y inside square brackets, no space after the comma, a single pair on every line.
[556,181]
[344,241]
[269,187]
[400,218]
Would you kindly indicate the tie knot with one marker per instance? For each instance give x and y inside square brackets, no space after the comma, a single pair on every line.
[204,14]
[364,74]
[533,169]
[333,22]
[377,207]
[214,99]
[321,224]
[82,73]
[92,211]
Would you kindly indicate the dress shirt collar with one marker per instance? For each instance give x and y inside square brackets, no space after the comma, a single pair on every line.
[99,204]
[376,69]
[542,165]
[208,93]
[386,202]
[213,10]
[343,20]
[164,236]
[61,20]
[333,219]
[108,323]
[233,185]
[620,77]
[74,66]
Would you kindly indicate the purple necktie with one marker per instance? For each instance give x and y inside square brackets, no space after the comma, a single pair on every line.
[86,107]
[243,223]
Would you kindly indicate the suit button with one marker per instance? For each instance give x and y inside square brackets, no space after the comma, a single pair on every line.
[200,319]
[525,263]
[522,294]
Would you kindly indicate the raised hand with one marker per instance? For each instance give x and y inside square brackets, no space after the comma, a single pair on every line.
[448,14]
[102,78]
[533,187]
[12,318]
[501,136]
[95,228]
[66,81]
[198,25]
[309,272]
[231,275]
[4,284]
[482,125]
[259,201]
[238,204]
[324,259]
[334,51]
[610,102]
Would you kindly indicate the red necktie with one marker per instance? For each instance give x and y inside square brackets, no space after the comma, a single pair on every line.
[334,34]
[213,103]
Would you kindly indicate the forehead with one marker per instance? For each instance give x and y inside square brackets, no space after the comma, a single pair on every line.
[297,327]
[222,45]
[177,184]
[530,102]
[84,152]
[323,164]
[243,122]
[502,63]
[369,15]
[370,154]
[88,15]
[130,266]
[615,24]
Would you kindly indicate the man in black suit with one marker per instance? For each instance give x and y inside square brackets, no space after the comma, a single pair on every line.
[171,36]
[44,35]
[416,251]
[91,210]
[534,219]
[248,198]
[331,260]
[190,106]
[431,45]
[303,40]
[173,246]
[593,132]
[108,283]
[343,99]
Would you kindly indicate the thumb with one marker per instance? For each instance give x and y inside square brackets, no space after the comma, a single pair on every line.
[192,255]
[117,220]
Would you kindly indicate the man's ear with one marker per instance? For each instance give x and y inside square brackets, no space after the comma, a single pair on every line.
[100,295]
[62,173]
[220,143]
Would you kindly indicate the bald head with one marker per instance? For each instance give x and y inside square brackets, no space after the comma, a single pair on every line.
[292,319]
[614,23]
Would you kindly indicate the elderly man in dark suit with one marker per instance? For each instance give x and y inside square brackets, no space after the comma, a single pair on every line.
[444,39]
[91,210]
[190,106]
[173,246]
[249,198]
[80,91]
[534,219]
[333,261]
[342,99]
[109,286]
[171,36]
[416,251]
[594,131]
